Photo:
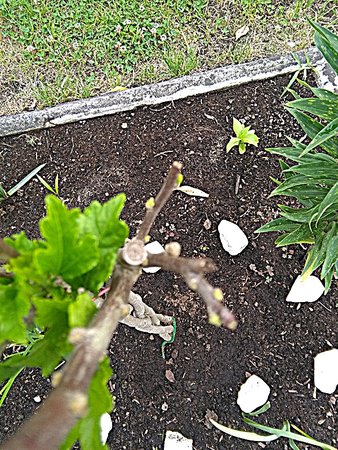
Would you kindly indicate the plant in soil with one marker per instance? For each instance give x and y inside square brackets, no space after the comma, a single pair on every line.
[313,182]
[243,137]
[49,284]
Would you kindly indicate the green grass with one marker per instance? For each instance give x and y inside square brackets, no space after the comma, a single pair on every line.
[56,50]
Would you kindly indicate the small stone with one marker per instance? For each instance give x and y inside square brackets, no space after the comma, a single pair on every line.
[170,376]
[253,394]
[124,125]
[175,441]
[164,407]
[154,248]
[308,290]
[232,237]
[326,371]
[37,399]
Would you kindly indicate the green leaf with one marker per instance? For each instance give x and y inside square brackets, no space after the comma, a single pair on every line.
[25,180]
[280,224]
[102,222]
[237,126]
[232,143]
[88,429]
[316,254]
[291,153]
[312,127]
[323,108]
[242,148]
[328,132]
[301,215]
[319,92]
[331,257]
[330,202]
[246,435]
[81,311]
[13,308]
[68,253]
[301,235]
[327,44]
[251,138]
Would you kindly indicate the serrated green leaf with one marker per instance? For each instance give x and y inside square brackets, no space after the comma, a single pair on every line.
[323,108]
[81,311]
[13,308]
[68,253]
[102,222]
[331,257]
[280,224]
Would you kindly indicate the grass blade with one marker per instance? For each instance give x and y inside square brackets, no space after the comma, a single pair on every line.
[25,180]
[247,435]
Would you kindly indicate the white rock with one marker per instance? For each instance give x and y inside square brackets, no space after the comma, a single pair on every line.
[326,371]
[37,399]
[232,237]
[305,291]
[253,394]
[155,248]
[106,426]
[175,441]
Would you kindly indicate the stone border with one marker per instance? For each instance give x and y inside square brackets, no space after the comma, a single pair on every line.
[166,91]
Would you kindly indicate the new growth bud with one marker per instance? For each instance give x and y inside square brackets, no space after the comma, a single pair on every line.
[179,179]
[173,249]
[214,319]
[150,203]
[218,295]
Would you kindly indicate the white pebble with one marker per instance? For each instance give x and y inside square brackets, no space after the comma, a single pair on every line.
[106,426]
[253,394]
[175,441]
[232,237]
[154,248]
[37,399]
[124,125]
[326,371]
[308,290]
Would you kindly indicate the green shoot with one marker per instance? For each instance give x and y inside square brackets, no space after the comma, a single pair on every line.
[54,190]
[5,194]
[243,137]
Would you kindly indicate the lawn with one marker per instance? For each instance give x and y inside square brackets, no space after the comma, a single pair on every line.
[58,50]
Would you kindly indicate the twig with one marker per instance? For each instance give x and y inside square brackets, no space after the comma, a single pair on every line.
[162,197]
[192,271]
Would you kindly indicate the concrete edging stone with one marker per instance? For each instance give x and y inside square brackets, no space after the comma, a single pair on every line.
[166,91]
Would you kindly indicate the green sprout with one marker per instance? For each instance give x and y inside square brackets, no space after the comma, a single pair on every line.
[243,136]
[54,190]
[6,194]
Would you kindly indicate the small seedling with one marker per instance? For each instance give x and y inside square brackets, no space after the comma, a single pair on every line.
[6,194]
[243,136]
[54,190]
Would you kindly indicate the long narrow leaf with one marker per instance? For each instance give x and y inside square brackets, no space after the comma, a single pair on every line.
[319,92]
[280,224]
[328,132]
[25,180]
[301,235]
[323,108]
[327,44]
[331,257]
[247,435]
[288,434]
[330,201]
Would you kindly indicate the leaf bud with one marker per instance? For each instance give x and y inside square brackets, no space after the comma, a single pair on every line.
[150,203]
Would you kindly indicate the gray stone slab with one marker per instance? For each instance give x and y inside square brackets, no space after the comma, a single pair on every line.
[166,91]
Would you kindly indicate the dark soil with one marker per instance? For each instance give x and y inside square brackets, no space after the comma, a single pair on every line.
[98,158]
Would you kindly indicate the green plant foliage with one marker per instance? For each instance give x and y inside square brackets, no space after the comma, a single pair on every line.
[313,181]
[243,137]
[53,284]
[5,194]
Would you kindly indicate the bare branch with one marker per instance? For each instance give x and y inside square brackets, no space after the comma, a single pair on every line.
[67,403]
[162,197]
[192,271]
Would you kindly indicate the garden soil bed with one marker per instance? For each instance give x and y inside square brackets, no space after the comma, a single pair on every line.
[96,159]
